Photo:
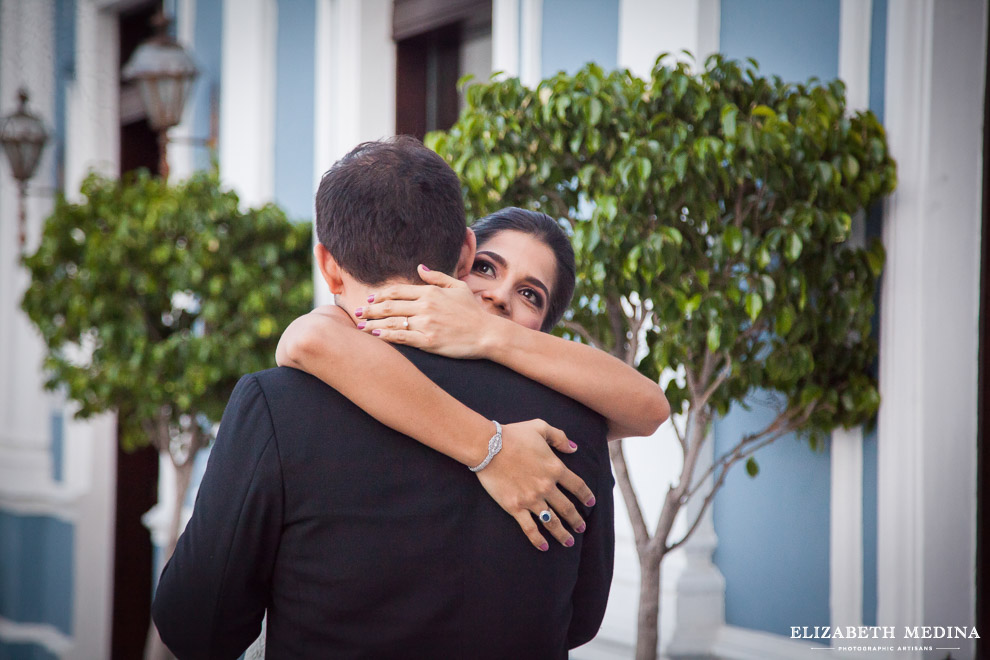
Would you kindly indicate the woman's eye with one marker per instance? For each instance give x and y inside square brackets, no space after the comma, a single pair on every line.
[532,296]
[484,268]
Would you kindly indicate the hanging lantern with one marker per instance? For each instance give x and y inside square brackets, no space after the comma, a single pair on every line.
[164,73]
[23,137]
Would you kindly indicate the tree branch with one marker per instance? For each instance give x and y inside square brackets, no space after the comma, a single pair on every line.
[721,480]
[782,423]
[640,532]
[581,331]
[616,318]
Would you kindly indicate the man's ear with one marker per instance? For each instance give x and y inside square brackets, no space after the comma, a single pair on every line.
[329,268]
[466,259]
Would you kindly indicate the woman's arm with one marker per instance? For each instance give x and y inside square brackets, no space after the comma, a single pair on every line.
[446,319]
[632,403]
[380,381]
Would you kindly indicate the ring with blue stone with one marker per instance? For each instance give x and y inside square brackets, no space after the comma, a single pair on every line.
[546,516]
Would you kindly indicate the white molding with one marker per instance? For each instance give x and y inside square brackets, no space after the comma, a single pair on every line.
[45,501]
[323,98]
[929,342]
[531,43]
[42,634]
[734,643]
[247,99]
[899,427]
[846,537]
[854,52]
[505,37]
[601,648]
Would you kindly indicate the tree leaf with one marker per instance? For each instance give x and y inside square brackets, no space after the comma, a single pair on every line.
[754,304]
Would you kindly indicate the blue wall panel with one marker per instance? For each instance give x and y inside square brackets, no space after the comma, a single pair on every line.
[207,53]
[774,530]
[579,31]
[874,229]
[24,651]
[795,40]
[36,570]
[58,446]
[294,107]
[65,71]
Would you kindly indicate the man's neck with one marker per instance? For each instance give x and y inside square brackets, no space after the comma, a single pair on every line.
[356,294]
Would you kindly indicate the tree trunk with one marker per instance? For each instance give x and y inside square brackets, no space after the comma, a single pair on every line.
[648,621]
[155,649]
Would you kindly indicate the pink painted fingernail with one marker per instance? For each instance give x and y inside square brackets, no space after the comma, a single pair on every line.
[359,311]
[371,298]
[591,502]
[423,267]
[361,325]
[379,332]
[580,528]
[573,446]
[569,542]
[545,547]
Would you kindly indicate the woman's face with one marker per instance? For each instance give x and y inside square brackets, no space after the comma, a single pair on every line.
[513,276]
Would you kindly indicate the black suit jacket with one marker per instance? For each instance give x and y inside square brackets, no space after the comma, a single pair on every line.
[362,543]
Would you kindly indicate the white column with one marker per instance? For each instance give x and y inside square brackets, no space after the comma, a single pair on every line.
[698,589]
[247,99]
[355,85]
[854,52]
[26,40]
[505,36]
[181,152]
[929,341]
[531,43]
[92,141]
[90,459]
[846,485]
[650,27]
[92,446]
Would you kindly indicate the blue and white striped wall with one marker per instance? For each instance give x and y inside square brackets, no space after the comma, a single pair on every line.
[821,538]
[878,528]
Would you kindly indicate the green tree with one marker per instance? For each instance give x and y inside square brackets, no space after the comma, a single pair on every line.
[711,216]
[153,299]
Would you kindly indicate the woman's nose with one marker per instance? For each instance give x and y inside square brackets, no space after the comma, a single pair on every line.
[497,299]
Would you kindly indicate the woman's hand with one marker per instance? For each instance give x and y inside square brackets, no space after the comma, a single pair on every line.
[524,476]
[441,317]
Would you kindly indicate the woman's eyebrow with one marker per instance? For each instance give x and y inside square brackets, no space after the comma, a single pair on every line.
[494,256]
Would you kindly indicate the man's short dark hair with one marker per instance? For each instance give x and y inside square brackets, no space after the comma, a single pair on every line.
[388,206]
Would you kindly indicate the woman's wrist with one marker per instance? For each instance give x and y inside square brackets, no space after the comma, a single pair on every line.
[495,337]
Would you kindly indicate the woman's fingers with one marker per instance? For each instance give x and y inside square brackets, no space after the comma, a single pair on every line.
[551,521]
[567,511]
[575,484]
[557,439]
[437,278]
[398,292]
[531,530]
[404,337]
[382,310]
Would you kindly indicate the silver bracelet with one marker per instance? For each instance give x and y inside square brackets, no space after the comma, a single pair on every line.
[494,447]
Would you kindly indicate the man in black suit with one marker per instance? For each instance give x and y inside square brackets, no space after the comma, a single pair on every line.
[359,541]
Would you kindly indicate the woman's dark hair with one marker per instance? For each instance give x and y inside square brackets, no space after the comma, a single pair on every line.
[546,229]
[387,206]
